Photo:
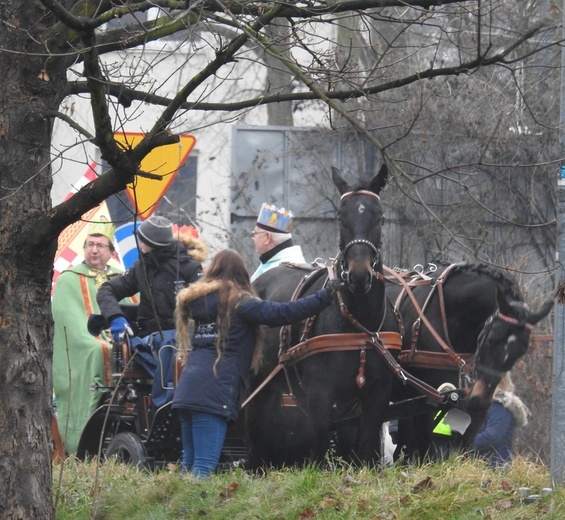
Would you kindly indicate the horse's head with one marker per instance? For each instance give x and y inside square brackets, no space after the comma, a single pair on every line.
[360,219]
[505,338]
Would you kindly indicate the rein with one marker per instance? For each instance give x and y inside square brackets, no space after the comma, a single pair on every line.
[376,343]
[328,342]
[465,363]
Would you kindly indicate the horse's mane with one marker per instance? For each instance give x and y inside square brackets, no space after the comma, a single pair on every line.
[505,281]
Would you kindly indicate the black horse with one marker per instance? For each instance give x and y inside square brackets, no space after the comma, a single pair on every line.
[290,415]
[466,325]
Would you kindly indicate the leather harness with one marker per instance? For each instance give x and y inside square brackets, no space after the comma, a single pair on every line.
[420,358]
[382,342]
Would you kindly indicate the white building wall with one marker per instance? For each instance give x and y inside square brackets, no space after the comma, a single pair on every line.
[164,68]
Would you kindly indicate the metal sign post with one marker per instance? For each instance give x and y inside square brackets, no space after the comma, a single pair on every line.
[558,401]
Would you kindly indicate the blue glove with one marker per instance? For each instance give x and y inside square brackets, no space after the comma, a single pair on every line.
[118,328]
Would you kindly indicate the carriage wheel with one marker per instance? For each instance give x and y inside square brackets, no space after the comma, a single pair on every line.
[127,447]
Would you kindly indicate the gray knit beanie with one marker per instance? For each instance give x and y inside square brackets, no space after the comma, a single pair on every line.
[156,231]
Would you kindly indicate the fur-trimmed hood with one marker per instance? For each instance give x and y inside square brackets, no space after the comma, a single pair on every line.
[195,247]
[194,291]
[514,405]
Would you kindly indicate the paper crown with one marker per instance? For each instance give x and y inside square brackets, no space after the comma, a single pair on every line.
[102,227]
[277,220]
[185,230]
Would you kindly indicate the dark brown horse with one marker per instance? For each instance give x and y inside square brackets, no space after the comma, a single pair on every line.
[335,364]
[467,325]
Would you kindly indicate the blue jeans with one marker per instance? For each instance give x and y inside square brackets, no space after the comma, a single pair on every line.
[203,436]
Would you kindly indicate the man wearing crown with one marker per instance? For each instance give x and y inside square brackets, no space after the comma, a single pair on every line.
[81,362]
[273,240]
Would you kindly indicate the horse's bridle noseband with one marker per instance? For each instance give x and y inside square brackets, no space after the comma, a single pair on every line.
[514,321]
[344,271]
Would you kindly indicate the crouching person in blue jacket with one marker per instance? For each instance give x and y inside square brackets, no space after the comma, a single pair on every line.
[224,345]
[507,412]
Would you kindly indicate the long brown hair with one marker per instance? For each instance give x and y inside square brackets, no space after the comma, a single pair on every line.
[228,268]
[228,265]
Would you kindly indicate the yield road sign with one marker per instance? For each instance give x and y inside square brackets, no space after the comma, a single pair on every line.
[144,193]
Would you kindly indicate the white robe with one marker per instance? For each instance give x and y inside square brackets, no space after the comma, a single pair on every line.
[292,254]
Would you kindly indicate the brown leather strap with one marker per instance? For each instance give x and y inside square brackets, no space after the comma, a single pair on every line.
[337,343]
[407,378]
[273,373]
[455,358]
[327,343]
[437,360]
[305,281]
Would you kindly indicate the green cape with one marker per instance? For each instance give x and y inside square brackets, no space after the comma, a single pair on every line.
[86,363]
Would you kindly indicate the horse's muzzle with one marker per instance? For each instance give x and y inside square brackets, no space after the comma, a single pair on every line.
[481,396]
[358,280]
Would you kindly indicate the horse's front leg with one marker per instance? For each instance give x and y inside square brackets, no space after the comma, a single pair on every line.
[317,431]
[375,396]
[369,439]
[270,430]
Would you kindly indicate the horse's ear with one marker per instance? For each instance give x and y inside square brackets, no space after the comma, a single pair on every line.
[339,181]
[379,180]
[541,313]
[504,306]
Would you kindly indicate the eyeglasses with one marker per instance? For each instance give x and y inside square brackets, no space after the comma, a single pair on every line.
[92,245]
[255,233]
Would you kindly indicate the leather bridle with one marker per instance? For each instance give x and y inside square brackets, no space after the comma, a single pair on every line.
[484,370]
[341,261]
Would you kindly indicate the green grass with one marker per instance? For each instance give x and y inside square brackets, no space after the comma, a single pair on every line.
[459,488]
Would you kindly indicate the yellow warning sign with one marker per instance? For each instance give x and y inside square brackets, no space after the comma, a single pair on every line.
[145,194]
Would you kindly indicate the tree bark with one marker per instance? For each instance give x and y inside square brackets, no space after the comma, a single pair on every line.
[30,87]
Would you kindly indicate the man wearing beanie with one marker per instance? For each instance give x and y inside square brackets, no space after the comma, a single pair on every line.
[164,267]
[273,240]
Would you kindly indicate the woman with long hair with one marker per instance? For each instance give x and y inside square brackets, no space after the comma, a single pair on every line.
[218,335]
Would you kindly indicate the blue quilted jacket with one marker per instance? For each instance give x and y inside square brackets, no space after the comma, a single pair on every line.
[199,388]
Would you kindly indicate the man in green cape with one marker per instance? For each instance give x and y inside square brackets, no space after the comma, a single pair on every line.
[81,362]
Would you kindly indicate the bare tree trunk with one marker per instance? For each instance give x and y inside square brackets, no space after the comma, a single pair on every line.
[278,79]
[26,260]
